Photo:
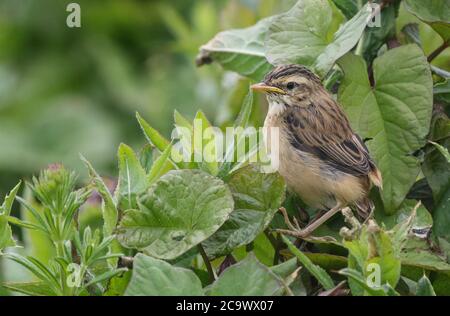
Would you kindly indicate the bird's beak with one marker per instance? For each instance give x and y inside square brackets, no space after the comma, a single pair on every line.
[262,87]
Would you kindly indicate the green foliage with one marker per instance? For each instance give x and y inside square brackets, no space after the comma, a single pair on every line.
[156,277]
[180,211]
[172,226]
[402,91]
[257,197]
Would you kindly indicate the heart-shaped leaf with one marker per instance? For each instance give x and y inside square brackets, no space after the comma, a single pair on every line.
[183,208]
[395,113]
[257,197]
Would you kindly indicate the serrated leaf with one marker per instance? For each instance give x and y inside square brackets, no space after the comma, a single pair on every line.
[257,197]
[6,239]
[320,274]
[240,50]
[248,277]
[153,277]
[132,178]
[395,114]
[183,208]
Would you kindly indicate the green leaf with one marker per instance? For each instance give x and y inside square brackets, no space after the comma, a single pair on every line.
[395,113]
[6,239]
[132,178]
[375,37]
[161,166]
[301,35]
[437,171]
[205,144]
[183,208]
[357,277]
[29,288]
[441,91]
[248,277]
[152,135]
[348,7]
[424,287]
[434,12]
[374,248]
[442,150]
[424,259]
[320,274]
[109,209]
[245,112]
[343,41]
[240,122]
[153,277]
[257,197]
[240,50]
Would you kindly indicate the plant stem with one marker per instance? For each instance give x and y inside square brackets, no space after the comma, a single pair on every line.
[437,51]
[208,265]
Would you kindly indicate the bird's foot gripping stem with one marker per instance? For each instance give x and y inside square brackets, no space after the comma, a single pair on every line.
[296,231]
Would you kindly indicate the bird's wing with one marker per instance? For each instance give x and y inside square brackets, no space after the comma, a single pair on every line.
[325,133]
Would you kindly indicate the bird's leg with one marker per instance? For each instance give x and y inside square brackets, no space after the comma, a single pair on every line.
[296,231]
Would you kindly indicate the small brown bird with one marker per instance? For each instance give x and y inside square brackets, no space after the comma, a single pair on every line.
[320,157]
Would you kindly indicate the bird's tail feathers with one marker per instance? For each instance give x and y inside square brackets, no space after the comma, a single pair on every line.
[364,208]
[375,178]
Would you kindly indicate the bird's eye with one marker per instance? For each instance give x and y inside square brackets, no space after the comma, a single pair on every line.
[291,85]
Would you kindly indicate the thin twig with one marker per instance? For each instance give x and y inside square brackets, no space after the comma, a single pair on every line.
[208,265]
[437,51]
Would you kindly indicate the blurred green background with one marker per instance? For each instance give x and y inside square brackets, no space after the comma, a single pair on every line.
[65,91]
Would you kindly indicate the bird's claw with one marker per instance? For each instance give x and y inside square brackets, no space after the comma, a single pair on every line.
[294,228]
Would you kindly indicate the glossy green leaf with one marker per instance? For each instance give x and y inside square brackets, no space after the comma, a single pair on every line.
[395,114]
[153,277]
[183,208]
[257,197]
[248,277]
